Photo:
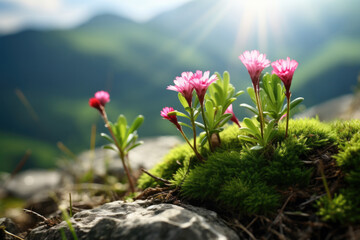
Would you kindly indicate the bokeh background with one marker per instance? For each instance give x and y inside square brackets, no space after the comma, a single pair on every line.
[55,54]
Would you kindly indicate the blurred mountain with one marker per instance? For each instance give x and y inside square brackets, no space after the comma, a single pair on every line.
[47,77]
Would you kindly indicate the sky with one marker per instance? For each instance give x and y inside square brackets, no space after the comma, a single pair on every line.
[16,15]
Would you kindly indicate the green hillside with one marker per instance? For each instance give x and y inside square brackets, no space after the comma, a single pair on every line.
[58,71]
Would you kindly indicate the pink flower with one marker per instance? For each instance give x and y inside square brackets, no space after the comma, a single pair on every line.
[201,83]
[103,97]
[282,117]
[233,118]
[95,103]
[255,64]
[285,69]
[172,118]
[183,86]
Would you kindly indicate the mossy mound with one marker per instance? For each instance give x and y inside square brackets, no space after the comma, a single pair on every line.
[236,179]
[344,206]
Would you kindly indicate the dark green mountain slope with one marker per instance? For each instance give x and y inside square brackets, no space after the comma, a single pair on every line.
[58,71]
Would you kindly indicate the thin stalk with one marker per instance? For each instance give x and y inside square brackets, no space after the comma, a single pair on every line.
[257,96]
[206,129]
[198,155]
[321,168]
[121,152]
[287,116]
[70,206]
[194,128]
[196,152]
[122,157]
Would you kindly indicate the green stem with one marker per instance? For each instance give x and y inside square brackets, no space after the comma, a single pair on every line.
[194,129]
[198,155]
[321,168]
[206,128]
[257,97]
[287,117]
[121,152]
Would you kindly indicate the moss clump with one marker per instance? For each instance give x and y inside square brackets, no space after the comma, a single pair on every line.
[175,159]
[345,207]
[315,133]
[248,182]
[234,181]
[286,167]
[345,130]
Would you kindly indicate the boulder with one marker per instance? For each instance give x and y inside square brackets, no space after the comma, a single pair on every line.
[344,107]
[139,220]
[146,156]
[28,183]
[9,226]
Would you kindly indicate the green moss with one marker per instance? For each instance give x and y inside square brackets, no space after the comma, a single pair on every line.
[177,158]
[206,180]
[335,209]
[349,154]
[345,130]
[229,138]
[348,159]
[249,196]
[249,182]
[315,133]
[286,167]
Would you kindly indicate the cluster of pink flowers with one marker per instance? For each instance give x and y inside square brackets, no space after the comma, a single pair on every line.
[99,100]
[186,84]
[190,81]
[255,63]
[284,69]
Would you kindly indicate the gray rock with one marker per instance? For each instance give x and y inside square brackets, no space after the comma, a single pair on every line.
[138,220]
[343,107]
[9,226]
[25,184]
[146,156]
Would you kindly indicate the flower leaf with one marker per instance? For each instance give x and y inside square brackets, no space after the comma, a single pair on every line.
[136,123]
[107,137]
[293,104]
[251,108]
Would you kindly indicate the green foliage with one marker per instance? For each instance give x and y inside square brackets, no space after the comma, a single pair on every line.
[348,159]
[235,178]
[285,167]
[315,133]
[272,98]
[221,94]
[229,138]
[205,180]
[254,135]
[126,137]
[335,209]
[249,197]
[175,159]
[349,155]
[345,130]
[273,94]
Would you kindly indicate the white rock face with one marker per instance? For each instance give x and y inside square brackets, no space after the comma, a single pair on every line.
[25,184]
[147,156]
[139,221]
[345,107]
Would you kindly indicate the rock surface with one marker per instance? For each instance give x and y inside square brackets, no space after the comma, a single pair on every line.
[9,226]
[28,183]
[146,156]
[345,107]
[139,220]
